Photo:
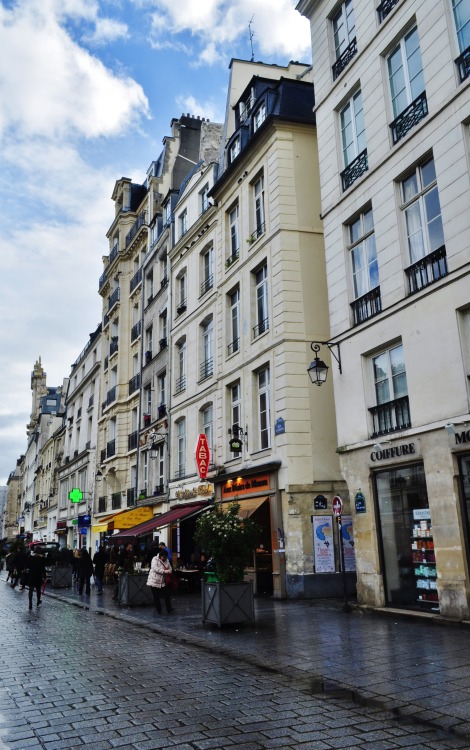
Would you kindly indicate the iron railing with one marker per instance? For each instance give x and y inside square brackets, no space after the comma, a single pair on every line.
[411,116]
[391,416]
[132,440]
[385,7]
[206,369]
[207,284]
[262,326]
[111,448]
[354,170]
[138,223]
[234,346]
[134,383]
[113,299]
[344,59]
[427,270]
[463,64]
[367,306]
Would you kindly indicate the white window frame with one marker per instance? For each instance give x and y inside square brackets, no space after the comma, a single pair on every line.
[462,25]
[416,206]
[183,222]
[385,361]
[181,447]
[264,408]
[236,410]
[259,212]
[234,149]
[204,198]
[262,298]
[353,133]
[234,231]
[259,116]
[411,88]
[207,416]
[234,299]
[363,253]
[344,27]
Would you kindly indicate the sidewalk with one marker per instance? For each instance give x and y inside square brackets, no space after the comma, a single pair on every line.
[417,666]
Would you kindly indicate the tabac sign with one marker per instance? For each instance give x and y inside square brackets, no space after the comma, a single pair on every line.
[202,456]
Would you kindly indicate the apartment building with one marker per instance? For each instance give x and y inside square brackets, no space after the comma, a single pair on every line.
[393,112]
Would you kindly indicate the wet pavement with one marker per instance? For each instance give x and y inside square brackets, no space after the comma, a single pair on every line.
[413,666]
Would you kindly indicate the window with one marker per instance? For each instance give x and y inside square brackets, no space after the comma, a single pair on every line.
[234,234]
[147,404]
[181,294]
[461,9]
[160,466]
[391,412]
[236,411]
[264,417]
[181,448]
[163,329]
[258,190]
[353,140]
[161,392]
[183,222]
[207,270]
[262,316]
[167,212]
[365,269]
[163,272]
[148,343]
[207,365]
[149,286]
[405,72]
[181,367]
[234,334]
[207,425]
[423,225]
[344,37]
[204,198]
[259,116]
[234,149]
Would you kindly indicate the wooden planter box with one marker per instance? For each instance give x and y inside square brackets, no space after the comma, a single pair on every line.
[133,590]
[61,577]
[227,603]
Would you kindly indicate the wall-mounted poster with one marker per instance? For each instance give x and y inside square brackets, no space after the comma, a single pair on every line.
[348,543]
[323,545]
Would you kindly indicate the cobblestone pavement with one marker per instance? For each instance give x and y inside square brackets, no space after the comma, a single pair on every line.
[71,678]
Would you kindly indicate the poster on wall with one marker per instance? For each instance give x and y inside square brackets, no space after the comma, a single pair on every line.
[348,543]
[323,546]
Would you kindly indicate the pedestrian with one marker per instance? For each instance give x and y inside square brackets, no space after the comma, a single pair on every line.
[163,546]
[76,562]
[160,567]
[10,564]
[35,575]
[99,562]
[19,564]
[85,572]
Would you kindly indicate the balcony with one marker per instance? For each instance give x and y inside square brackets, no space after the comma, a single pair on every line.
[113,253]
[260,229]
[427,270]
[102,503]
[231,259]
[411,116]
[207,284]
[116,501]
[159,490]
[102,281]
[113,299]
[207,369]
[391,417]
[181,308]
[134,383]
[385,7]
[233,347]
[163,343]
[132,441]
[111,395]
[180,473]
[130,497]
[180,384]
[354,170]
[148,356]
[113,345]
[135,281]
[105,320]
[147,420]
[135,331]
[103,456]
[164,282]
[162,411]
[463,64]
[262,327]
[111,448]
[343,60]
[367,306]
[139,222]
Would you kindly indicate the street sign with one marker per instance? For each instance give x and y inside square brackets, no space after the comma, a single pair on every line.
[337,505]
[202,456]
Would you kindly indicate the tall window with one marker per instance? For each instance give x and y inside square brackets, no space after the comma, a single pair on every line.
[365,269]
[405,72]
[183,221]
[262,316]
[391,392]
[148,342]
[259,116]
[236,411]
[234,233]
[258,190]
[147,404]
[344,29]
[181,447]
[207,270]
[161,384]
[160,466]
[181,294]
[461,10]
[207,425]
[234,149]
[163,323]
[207,364]
[234,321]
[149,286]
[264,409]
[204,198]
[181,367]
[422,211]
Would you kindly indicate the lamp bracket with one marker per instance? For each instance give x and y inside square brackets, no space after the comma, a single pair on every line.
[315,347]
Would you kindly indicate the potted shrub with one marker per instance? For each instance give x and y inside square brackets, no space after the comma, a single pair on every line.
[229,540]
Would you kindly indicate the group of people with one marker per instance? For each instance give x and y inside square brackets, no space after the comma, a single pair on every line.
[28,568]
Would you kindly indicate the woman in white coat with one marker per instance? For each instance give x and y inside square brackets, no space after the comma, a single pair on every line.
[159,568]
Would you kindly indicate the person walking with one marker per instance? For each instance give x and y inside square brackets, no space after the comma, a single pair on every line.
[76,555]
[35,575]
[159,569]
[19,564]
[85,572]
[99,562]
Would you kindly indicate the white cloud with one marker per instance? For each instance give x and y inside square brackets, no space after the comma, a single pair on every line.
[107,30]
[208,109]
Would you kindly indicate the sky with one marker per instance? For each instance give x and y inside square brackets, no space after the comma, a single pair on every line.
[88,89]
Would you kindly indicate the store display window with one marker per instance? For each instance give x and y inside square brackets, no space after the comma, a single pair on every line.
[410,573]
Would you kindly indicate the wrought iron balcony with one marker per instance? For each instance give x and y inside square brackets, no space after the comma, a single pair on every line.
[410,117]
[135,331]
[386,7]
[180,473]
[181,308]
[163,343]
[262,326]
[113,299]
[111,395]
[260,229]
[102,503]
[139,222]
[427,270]
[113,346]
[391,416]
[103,456]
[130,497]
[180,384]
[105,320]
[354,170]
[116,500]
[132,440]
[113,253]
[102,281]
[232,258]
[207,369]
[134,383]
[135,281]
[367,306]
[343,60]
[463,64]
[159,490]
[207,284]
[234,346]
[148,356]
[111,448]
[164,282]
[162,411]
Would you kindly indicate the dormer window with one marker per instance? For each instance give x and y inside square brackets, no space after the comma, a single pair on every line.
[244,108]
[259,116]
[234,149]
[167,212]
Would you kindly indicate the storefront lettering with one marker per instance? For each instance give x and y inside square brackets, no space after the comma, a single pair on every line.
[395,452]
[463,437]
[235,488]
[202,489]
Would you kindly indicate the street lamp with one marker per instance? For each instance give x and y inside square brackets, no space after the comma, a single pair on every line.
[318,370]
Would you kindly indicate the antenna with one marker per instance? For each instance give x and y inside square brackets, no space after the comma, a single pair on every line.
[251,33]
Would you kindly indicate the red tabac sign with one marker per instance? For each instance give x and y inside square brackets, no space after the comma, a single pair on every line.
[203,456]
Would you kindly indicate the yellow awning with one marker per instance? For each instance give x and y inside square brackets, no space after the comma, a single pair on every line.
[124,519]
[100,527]
[248,507]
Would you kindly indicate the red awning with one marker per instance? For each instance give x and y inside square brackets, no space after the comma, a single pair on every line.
[164,519]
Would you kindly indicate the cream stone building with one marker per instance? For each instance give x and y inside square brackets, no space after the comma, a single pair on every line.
[392,108]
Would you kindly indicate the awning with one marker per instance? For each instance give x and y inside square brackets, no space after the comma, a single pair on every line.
[100,527]
[247,507]
[124,519]
[164,519]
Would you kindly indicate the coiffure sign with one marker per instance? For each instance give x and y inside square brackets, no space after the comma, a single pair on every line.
[398,451]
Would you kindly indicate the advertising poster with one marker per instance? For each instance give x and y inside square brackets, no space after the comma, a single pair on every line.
[348,543]
[323,547]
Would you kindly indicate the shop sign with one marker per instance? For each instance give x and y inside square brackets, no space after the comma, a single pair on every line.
[61,525]
[76,495]
[131,518]
[84,521]
[202,456]
[421,514]
[235,445]
[360,502]
[279,426]
[246,486]
[74,521]
[202,490]
[462,437]
[323,547]
[320,502]
[348,543]
[397,451]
